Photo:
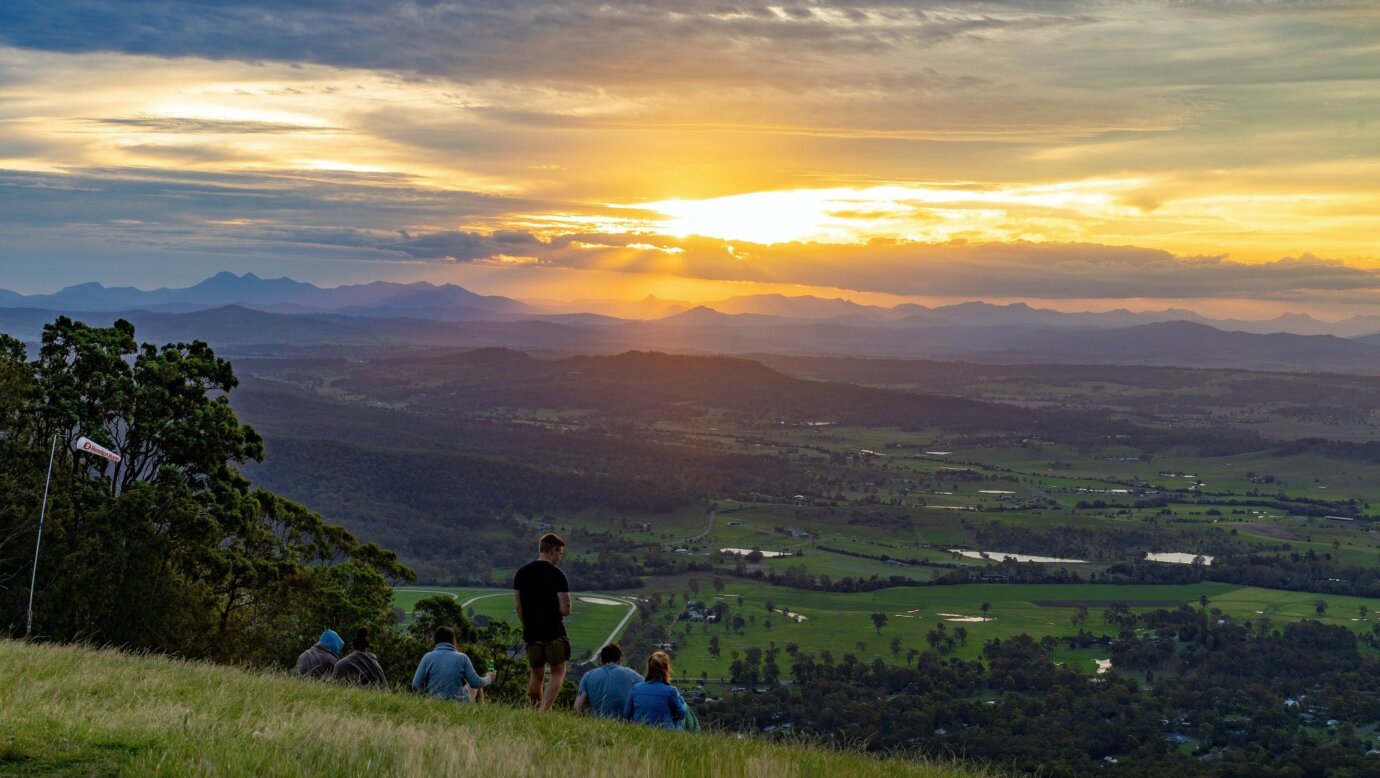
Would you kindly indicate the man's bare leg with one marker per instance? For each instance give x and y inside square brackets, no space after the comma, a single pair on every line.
[553,686]
[538,674]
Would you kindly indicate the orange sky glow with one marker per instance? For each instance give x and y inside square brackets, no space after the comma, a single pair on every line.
[1222,157]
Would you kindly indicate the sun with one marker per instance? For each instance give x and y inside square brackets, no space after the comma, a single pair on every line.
[820,215]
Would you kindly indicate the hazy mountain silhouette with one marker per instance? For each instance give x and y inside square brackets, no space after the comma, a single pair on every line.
[282,295]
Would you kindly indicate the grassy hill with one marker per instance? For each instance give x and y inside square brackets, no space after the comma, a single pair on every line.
[77,711]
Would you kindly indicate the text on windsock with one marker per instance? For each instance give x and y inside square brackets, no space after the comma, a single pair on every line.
[91,447]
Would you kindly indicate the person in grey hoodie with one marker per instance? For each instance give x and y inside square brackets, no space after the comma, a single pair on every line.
[319,660]
[360,668]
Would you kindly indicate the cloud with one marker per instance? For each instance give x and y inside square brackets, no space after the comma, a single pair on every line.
[389,218]
[459,246]
[1007,70]
[183,125]
[958,269]
[213,200]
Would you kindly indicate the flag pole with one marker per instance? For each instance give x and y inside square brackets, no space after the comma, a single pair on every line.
[42,514]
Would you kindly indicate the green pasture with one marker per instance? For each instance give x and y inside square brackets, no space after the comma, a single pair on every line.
[838,622]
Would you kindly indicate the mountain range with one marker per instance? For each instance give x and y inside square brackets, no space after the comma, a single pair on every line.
[448,302]
[247,314]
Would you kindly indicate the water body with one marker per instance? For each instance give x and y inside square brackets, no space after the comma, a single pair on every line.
[746,551]
[997,556]
[1177,558]
[962,618]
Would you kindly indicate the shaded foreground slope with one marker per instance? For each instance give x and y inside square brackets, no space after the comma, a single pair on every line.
[75,711]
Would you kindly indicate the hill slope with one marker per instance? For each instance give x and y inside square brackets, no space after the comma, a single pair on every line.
[75,711]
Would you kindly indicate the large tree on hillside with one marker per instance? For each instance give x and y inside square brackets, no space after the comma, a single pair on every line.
[18,461]
[172,548]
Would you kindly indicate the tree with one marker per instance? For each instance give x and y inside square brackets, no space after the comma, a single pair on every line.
[718,585]
[1080,616]
[1320,606]
[879,621]
[714,646]
[896,646]
[985,607]
[171,549]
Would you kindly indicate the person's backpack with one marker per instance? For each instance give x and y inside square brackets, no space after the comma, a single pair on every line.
[691,723]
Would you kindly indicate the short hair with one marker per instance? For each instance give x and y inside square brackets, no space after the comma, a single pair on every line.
[550,542]
[444,635]
[610,654]
[659,667]
[361,641]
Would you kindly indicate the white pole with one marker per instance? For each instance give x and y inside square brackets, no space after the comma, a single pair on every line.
[42,514]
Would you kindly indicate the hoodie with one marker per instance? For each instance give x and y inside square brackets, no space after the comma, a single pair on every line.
[319,660]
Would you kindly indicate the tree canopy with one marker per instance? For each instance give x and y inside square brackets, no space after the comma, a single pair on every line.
[172,548]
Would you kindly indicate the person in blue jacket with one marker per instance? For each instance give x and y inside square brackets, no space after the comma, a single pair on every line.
[446,672]
[655,701]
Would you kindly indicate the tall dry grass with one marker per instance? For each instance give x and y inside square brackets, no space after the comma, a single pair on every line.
[69,710]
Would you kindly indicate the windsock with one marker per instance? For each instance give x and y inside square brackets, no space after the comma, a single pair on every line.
[91,447]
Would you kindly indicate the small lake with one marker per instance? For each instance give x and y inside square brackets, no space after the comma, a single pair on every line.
[746,551]
[965,619]
[1177,558]
[997,556]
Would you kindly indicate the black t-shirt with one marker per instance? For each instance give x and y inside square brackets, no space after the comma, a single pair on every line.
[537,584]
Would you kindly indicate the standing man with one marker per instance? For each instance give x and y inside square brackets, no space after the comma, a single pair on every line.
[542,594]
[605,690]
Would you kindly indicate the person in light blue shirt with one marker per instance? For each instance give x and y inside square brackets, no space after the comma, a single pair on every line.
[445,672]
[655,701]
[605,690]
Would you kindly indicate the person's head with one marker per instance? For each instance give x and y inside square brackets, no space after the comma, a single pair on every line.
[551,547]
[444,635]
[332,641]
[361,641]
[610,654]
[659,667]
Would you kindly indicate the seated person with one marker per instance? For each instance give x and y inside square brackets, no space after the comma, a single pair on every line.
[319,660]
[446,672]
[655,701]
[360,668]
[605,690]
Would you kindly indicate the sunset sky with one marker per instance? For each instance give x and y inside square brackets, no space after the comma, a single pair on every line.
[1220,155]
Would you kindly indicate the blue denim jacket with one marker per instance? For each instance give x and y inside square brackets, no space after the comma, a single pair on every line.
[656,703]
[445,672]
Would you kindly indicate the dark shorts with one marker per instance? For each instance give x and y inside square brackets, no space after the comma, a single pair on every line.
[550,652]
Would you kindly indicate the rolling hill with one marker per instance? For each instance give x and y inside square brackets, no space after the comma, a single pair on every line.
[71,710]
